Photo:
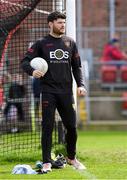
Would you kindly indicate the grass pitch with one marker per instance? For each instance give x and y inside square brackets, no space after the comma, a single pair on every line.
[103,153]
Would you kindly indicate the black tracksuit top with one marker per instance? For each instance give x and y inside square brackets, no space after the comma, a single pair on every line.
[63,59]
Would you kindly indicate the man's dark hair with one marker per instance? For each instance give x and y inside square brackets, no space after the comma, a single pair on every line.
[55,15]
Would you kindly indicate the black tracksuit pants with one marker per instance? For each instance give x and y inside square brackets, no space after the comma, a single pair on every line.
[64,104]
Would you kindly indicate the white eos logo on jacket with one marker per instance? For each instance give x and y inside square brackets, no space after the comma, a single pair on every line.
[59,54]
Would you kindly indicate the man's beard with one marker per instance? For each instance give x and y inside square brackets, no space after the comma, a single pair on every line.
[58,32]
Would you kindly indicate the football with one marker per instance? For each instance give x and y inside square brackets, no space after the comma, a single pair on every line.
[40,64]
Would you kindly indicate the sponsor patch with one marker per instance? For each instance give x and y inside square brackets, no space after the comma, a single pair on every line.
[59,54]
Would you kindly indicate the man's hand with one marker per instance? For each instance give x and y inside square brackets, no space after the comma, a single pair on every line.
[81,91]
[37,74]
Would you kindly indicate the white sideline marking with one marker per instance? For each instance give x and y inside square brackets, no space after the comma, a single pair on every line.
[86,174]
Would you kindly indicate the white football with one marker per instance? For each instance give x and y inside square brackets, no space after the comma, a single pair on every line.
[40,64]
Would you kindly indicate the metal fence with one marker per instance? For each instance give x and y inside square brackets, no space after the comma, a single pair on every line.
[22,22]
[106,99]
[97,22]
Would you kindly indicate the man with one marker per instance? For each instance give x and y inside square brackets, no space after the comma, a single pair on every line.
[62,57]
[113,52]
[15,95]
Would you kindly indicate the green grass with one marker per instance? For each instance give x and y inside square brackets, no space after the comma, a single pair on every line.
[103,153]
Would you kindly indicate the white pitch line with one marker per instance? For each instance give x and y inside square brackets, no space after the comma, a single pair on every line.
[22,6]
[86,174]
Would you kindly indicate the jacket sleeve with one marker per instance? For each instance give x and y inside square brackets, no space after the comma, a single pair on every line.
[32,52]
[76,66]
[117,54]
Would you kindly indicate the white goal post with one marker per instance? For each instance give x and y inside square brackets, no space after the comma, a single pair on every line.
[71,31]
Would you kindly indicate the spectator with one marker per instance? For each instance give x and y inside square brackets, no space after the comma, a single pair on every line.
[113,52]
[113,57]
[7,80]
[16,93]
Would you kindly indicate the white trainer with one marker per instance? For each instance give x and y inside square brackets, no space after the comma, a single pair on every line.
[76,164]
[46,167]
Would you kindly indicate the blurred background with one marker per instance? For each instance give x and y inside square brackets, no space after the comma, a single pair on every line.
[98,23]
